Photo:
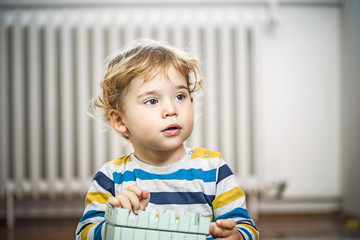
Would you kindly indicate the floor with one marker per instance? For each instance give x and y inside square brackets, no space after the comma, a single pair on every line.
[322,226]
[294,227]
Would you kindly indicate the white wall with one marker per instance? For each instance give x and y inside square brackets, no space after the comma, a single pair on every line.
[298,125]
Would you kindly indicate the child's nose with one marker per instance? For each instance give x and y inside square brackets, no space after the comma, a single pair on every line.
[169,109]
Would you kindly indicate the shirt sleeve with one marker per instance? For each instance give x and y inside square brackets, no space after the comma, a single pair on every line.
[230,202]
[91,224]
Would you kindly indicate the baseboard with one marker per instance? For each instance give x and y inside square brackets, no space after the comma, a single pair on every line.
[310,205]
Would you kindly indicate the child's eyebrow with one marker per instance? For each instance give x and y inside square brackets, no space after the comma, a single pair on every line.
[154,92]
[146,94]
[182,87]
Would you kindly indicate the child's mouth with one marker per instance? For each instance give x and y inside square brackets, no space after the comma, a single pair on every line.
[172,129]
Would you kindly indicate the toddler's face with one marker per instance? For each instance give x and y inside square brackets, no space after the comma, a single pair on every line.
[158,114]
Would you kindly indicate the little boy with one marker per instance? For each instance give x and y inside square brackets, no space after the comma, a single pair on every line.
[147,96]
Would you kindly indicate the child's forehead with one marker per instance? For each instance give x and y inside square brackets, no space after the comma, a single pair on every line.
[172,77]
[167,73]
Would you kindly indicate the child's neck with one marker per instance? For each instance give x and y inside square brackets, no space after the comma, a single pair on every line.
[160,158]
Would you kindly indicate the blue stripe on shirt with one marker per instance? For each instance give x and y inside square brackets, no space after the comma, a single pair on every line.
[246,232]
[92,214]
[105,182]
[182,174]
[97,231]
[235,213]
[224,172]
[161,198]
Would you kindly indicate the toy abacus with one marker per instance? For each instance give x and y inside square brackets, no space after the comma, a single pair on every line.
[123,224]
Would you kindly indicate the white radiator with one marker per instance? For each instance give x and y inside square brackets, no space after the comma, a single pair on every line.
[51,65]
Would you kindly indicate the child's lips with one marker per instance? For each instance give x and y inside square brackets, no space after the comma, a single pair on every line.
[172,129]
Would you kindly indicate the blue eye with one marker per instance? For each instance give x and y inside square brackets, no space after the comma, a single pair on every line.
[180,97]
[151,102]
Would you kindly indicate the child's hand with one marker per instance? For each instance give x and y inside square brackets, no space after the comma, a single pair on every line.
[225,229]
[133,198]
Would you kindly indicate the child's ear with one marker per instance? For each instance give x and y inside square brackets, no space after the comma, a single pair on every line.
[117,121]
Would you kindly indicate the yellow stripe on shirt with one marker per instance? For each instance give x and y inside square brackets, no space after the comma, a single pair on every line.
[120,161]
[205,154]
[227,197]
[85,232]
[97,197]
[252,229]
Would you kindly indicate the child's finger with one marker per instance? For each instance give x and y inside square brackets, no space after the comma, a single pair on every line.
[222,228]
[143,197]
[114,201]
[225,223]
[133,200]
[215,231]
[135,189]
[124,201]
[144,200]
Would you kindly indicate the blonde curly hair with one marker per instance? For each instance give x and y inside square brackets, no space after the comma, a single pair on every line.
[145,59]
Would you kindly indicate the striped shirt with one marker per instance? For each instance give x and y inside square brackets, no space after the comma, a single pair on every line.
[200,182]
